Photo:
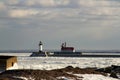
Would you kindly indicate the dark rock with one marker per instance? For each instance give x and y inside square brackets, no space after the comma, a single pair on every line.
[114,71]
[47,74]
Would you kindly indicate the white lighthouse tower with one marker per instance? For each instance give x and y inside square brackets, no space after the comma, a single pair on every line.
[40,46]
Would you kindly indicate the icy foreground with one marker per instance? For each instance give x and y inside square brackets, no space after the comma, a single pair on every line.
[48,63]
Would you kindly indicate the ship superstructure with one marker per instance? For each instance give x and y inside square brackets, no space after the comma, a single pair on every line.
[64,48]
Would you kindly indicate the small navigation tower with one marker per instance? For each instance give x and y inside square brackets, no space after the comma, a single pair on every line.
[40,46]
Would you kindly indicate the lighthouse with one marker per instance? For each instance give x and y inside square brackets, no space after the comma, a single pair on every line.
[40,46]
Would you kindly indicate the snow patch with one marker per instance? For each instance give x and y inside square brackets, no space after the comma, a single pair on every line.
[24,78]
[95,77]
[62,77]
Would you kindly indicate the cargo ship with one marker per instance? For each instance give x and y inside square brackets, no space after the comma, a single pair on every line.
[67,51]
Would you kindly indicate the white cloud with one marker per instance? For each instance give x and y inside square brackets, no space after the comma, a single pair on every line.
[61,2]
[2,6]
[30,2]
[99,7]
[89,7]
[58,14]
[22,13]
[47,3]
[94,3]
[107,11]
[13,2]
[44,13]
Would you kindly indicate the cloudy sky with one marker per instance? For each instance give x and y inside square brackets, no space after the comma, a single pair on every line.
[84,24]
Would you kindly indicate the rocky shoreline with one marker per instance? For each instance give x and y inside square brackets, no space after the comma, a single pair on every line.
[55,74]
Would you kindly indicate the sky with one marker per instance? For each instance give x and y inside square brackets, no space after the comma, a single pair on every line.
[83,24]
